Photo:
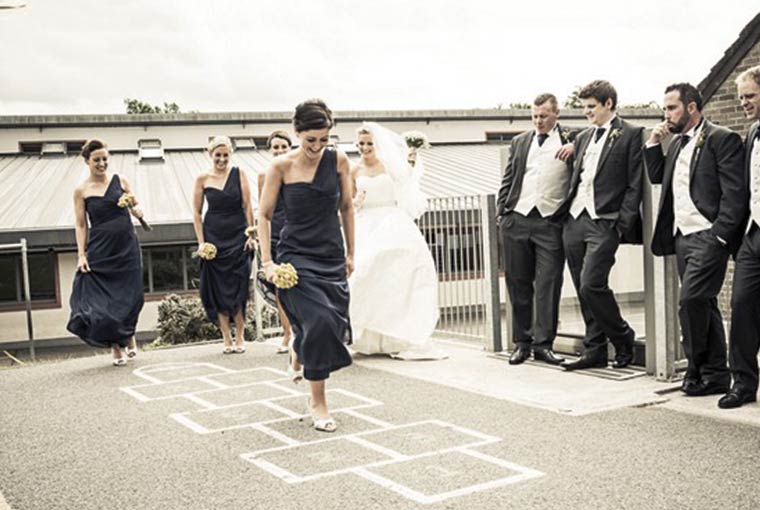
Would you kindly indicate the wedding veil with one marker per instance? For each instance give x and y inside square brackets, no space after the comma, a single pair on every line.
[392,151]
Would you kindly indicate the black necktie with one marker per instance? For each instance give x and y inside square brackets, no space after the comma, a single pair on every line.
[757,134]
[599,133]
[684,140]
[542,138]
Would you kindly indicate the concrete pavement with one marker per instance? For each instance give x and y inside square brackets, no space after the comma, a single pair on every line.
[189,428]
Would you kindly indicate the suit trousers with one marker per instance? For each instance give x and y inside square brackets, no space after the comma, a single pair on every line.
[534,260]
[702,261]
[590,246]
[744,339]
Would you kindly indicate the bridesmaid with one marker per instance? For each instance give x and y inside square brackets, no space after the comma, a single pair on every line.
[224,279]
[278,143]
[107,294]
[315,184]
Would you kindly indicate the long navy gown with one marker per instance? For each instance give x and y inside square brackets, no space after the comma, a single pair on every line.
[311,241]
[224,279]
[267,288]
[106,302]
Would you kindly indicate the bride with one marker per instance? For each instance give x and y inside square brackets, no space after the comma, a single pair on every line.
[394,288]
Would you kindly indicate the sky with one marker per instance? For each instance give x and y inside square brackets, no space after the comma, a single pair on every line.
[86,56]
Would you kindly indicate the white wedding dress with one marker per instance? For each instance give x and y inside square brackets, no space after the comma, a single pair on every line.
[394,288]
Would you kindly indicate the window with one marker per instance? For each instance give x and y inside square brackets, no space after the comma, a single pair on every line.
[150,150]
[245,142]
[51,148]
[43,279]
[170,269]
[501,136]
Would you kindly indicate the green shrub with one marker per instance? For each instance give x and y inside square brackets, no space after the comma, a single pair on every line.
[182,320]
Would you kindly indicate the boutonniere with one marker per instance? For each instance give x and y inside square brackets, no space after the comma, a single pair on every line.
[615,133]
[700,140]
[565,135]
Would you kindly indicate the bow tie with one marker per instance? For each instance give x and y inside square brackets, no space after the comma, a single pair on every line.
[684,140]
[599,133]
[542,138]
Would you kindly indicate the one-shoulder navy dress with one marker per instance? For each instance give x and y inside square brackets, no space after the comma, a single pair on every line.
[311,240]
[106,302]
[224,279]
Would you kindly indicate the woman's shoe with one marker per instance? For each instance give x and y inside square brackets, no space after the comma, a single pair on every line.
[120,362]
[282,349]
[240,349]
[294,375]
[227,349]
[321,424]
[131,353]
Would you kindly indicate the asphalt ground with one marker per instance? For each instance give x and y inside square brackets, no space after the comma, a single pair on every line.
[222,432]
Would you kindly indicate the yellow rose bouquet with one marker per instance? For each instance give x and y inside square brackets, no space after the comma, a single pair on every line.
[415,140]
[206,251]
[127,200]
[285,276]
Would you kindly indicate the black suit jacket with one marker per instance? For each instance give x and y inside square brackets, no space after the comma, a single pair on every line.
[619,177]
[718,186]
[511,182]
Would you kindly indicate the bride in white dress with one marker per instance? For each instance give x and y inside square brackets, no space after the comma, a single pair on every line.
[394,288]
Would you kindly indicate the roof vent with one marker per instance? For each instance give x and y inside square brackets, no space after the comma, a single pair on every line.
[53,148]
[243,142]
[150,150]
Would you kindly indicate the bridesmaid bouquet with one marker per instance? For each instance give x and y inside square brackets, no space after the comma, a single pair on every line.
[415,140]
[207,251]
[251,232]
[285,276]
[128,200]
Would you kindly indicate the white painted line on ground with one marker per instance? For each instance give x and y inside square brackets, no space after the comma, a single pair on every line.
[376,447]
[370,419]
[283,410]
[139,396]
[187,422]
[277,471]
[193,397]
[214,383]
[275,434]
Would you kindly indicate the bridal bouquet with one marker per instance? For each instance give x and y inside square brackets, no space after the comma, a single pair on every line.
[285,276]
[128,200]
[206,251]
[250,232]
[415,140]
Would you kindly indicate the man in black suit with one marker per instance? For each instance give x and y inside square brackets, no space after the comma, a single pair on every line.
[534,185]
[744,338]
[602,211]
[701,216]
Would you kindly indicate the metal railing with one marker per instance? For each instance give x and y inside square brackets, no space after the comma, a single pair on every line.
[21,246]
[461,234]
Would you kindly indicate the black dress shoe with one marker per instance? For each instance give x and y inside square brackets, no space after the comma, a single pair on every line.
[520,354]
[586,361]
[737,397]
[547,356]
[689,385]
[703,388]
[624,351]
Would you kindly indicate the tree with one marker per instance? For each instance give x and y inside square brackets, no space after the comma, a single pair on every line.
[135,106]
[573,101]
[520,106]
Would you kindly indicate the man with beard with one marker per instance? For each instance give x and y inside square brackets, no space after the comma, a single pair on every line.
[700,219]
[744,338]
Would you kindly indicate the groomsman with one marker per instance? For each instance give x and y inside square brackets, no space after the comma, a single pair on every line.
[701,217]
[744,338]
[603,207]
[534,185]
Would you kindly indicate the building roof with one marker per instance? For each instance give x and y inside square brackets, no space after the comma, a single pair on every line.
[197,118]
[36,191]
[747,39]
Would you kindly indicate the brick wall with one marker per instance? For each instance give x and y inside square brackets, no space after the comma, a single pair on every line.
[723,108]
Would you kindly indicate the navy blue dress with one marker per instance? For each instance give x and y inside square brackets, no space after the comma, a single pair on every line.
[267,288]
[224,280]
[106,302]
[312,242]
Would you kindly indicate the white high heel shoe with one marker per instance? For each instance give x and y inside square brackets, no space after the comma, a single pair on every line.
[321,424]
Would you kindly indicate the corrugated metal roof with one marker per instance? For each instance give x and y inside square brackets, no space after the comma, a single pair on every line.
[36,192]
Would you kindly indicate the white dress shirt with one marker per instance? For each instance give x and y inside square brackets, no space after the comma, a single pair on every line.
[584,199]
[546,178]
[688,219]
[754,184]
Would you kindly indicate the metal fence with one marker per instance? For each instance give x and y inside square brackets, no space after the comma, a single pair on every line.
[461,234]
